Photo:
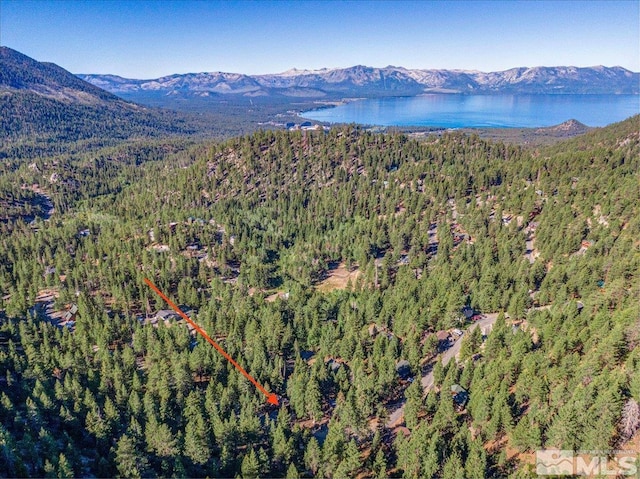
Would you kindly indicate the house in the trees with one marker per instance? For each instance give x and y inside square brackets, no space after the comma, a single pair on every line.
[334,364]
[444,339]
[460,396]
[165,315]
[403,369]
[467,312]
[71,313]
[306,355]
[374,330]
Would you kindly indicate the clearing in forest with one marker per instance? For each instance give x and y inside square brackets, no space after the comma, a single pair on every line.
[338,278]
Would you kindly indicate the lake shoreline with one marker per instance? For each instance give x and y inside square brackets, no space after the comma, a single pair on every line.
[458,111]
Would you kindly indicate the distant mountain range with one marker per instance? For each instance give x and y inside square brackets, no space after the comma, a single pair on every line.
[389,81]
[45,104]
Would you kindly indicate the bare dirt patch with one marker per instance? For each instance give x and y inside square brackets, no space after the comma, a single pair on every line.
[338,278]
[277,295]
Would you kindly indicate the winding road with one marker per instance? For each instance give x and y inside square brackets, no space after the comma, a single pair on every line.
[486,323]
[529,252]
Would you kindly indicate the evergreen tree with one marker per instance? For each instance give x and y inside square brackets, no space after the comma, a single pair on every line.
[64,468]
[413,405]
[292,472]
[250,467]
[313,456]
[130,462]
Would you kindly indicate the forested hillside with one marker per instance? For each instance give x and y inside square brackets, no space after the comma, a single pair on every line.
[329,265]
[45,108]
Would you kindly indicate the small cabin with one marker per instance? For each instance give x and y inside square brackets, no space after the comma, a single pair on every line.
[468,312]
[460,396]
[306,355]
[403,369]
[333,365]
[166,314]
[444,339]
[71,313]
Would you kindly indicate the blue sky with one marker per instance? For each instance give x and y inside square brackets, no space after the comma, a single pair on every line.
[148,39]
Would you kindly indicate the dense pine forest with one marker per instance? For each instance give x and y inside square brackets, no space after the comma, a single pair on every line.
[329,265]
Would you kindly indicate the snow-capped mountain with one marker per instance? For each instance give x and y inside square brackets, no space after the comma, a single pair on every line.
[369,81]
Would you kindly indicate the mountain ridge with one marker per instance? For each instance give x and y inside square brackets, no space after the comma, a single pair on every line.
[43,102]
[390,80]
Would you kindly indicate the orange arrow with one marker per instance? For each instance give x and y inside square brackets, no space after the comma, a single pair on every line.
[271,397]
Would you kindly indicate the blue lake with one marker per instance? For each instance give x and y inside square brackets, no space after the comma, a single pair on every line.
[480,111]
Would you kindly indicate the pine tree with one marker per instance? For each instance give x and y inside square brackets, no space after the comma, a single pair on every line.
[250,467]
[283,449]
[452,468]
[312,399]
[438,373]
[130,462]
[351,461]
[333,448]
[196,443]
[413,405]
[476,463]
[160,439]
[380,465]
[292,472]
[313,456]
[49,470]
[64,468]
